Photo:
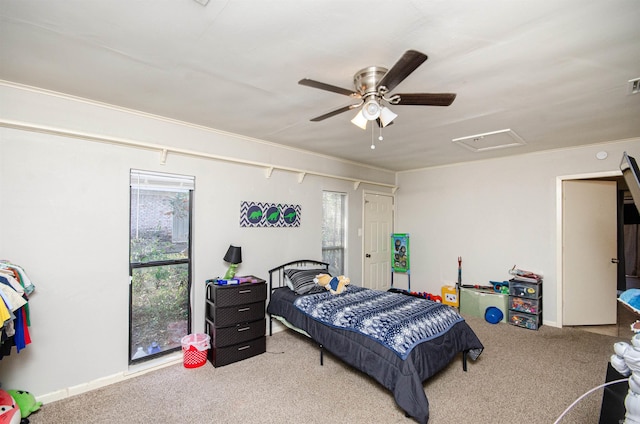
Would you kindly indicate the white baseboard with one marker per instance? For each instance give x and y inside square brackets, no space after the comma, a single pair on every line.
[132,371]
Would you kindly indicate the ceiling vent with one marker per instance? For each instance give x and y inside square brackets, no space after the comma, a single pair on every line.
[490,141]
[634,86]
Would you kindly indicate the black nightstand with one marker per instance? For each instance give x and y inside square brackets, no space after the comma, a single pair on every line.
[235,320]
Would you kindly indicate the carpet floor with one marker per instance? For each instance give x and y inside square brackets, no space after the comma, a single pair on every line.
[523,376]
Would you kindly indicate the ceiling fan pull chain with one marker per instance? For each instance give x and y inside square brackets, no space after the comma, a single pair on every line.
[373,143]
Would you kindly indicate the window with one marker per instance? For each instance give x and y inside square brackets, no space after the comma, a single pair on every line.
[159,263]
[334,222]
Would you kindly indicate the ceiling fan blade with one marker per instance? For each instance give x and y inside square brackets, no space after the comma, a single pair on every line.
[408,63]
[426,99]
[334,113]
[328,87]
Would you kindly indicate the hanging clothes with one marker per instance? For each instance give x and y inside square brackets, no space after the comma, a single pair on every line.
[15,288]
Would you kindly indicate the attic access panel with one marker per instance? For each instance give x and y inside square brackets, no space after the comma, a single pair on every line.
[490,141]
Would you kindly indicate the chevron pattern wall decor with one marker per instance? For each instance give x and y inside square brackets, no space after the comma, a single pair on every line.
[278,215]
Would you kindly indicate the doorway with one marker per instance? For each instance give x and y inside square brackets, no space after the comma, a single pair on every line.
[628,255]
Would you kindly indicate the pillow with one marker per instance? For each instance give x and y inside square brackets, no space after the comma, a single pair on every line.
[302,280]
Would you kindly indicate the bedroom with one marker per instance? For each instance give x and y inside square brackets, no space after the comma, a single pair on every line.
[65,210]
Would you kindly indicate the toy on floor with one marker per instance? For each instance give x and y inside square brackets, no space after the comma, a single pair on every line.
[335,285]
[26,402]
[493,315]
[626,361]
[428,296]
[450,296]
[9,410]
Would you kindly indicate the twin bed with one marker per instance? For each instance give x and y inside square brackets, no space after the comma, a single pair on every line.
[397,339]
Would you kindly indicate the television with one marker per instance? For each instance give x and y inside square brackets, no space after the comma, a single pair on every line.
[631,174]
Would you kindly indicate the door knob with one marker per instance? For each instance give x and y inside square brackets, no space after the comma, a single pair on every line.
[367,255]
[615,261]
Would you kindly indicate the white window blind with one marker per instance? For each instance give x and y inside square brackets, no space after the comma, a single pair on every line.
[149,180]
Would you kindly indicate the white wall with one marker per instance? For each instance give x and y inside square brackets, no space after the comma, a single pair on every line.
[64,214]
[495,214]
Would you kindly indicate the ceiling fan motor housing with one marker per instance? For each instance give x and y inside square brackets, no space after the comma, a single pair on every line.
[366,80]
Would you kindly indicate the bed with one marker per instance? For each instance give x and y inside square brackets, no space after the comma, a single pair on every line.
[295,301]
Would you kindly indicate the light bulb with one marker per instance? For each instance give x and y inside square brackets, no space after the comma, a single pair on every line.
[371,110]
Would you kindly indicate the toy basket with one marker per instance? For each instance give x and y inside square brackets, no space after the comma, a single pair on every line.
[195,348]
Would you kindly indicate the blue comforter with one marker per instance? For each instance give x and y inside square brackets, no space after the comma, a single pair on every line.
[395,320]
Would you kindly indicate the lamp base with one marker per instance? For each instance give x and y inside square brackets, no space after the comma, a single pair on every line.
[231,272]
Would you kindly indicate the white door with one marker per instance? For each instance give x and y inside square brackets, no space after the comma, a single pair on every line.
[378,226]
[589,238]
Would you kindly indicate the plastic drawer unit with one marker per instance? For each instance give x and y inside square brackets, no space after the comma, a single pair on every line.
[235,320]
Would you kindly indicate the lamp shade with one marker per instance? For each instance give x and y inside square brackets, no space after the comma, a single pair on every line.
[233,255]
[360,121]
[386,116]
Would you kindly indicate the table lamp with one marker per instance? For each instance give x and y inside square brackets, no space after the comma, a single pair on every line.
[233,257]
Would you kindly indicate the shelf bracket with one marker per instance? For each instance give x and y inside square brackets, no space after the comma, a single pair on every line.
[268,171]
[301,176]
[356,184]
[163,156]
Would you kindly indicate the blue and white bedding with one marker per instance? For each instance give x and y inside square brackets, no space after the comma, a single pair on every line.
[395,320]
[403,377]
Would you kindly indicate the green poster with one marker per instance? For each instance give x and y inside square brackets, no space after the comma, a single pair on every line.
[400,252]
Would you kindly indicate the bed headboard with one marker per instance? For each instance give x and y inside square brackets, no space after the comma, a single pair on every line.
[276,275]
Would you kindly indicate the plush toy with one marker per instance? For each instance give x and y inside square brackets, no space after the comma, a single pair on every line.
[9,411]
[26,402]
[335,285]
[626,361]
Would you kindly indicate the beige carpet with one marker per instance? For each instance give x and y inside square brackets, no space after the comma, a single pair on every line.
[523,376]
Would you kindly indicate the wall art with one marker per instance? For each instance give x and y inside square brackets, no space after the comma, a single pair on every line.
[262,214]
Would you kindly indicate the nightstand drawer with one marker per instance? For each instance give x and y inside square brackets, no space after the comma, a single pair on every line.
[227,336]
[224,317]
[239,294]
[220,356]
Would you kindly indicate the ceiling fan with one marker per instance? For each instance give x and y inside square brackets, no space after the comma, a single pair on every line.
[373,86]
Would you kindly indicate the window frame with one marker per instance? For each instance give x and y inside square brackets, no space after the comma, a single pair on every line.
[188,260]
[342,248]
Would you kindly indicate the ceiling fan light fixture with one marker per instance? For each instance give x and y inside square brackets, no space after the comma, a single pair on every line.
[387,116]
[371,110]
[359,120]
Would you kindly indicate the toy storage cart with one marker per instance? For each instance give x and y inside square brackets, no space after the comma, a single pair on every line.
[474,302]
[525,304]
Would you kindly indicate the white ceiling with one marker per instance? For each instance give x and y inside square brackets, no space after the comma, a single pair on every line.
[554,72]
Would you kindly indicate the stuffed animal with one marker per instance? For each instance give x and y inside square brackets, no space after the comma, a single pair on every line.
[626,361]
[26,402]
[335,285]
[9,411]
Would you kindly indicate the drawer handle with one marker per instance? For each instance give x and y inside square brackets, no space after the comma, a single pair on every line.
[244,347]
[244,329]
[244,291]
[244,309]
